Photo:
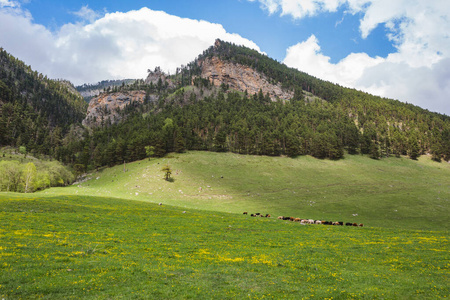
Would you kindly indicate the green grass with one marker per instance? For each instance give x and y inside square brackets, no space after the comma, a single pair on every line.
[391,193]
[94,241]
[82,247]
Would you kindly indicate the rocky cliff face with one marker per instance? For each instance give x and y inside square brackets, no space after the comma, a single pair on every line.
[108,106]
[155,76]
[241,78]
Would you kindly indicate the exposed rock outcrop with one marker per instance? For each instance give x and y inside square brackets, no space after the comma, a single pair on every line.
[241,78]
[107,106]
[153,77]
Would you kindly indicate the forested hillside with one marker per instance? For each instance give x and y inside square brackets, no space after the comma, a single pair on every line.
[35,112]
[193,111]
[321,119]
[386,125]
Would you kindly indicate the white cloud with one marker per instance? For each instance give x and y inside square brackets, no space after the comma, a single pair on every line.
[306,56]
[299,8]
[8,3]
[22,35]
[118,45]
[418,29]
[426,86]
[270,5]
[87,14]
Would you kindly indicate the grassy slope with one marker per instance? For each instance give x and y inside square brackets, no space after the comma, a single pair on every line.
[394,192]
[80,247]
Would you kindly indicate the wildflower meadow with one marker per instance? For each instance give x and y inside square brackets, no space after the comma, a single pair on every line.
[81,247]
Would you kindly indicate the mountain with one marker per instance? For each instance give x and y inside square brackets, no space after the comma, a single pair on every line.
[232,98]
[240,77]
[35,111]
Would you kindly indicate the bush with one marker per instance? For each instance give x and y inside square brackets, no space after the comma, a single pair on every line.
[26,176]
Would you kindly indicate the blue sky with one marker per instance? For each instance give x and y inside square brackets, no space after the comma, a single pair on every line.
[394,48]
[338,31]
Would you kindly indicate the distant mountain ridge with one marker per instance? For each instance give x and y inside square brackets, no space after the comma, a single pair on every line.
[88,91]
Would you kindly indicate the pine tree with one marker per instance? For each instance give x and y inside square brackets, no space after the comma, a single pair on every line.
[167,172]
[413,148]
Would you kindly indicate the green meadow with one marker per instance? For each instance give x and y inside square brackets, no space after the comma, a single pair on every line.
[107,237]
[392,192]
[80,247]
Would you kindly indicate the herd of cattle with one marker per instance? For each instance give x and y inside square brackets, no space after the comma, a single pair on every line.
[306,221]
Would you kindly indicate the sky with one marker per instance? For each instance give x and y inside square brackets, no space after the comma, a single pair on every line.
[398,49]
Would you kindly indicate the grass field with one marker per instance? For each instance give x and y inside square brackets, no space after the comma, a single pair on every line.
[94,240]
[81,247]
[393,192]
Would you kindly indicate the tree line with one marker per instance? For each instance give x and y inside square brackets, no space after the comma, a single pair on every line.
[19,173]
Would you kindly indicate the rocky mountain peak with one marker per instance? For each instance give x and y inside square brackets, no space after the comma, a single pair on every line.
[241,78]
[217,44]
